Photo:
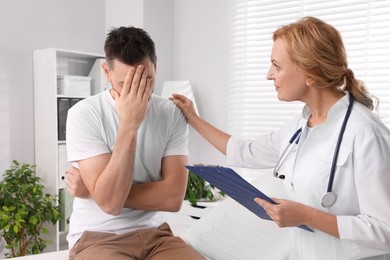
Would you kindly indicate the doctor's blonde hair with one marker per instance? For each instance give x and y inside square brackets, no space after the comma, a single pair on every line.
[318,50]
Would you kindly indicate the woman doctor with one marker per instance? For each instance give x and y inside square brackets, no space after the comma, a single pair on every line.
[349,209]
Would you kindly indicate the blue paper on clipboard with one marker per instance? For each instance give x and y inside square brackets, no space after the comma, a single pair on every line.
[228,181]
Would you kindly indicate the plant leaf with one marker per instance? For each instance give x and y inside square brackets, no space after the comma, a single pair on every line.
[7,227]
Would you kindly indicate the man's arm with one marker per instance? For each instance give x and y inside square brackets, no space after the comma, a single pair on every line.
[106,173]
[164,195]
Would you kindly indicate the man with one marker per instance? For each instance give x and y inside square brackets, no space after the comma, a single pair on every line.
[130,147]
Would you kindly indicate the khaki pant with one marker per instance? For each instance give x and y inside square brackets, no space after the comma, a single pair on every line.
[151,244]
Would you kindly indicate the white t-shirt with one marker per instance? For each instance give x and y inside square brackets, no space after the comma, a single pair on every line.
[92,127]
[361,182]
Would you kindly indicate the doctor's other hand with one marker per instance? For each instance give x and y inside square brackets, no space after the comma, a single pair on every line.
[185,105]
[285,213]
[74,183]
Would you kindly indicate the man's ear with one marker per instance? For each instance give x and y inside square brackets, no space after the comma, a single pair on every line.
[106,71]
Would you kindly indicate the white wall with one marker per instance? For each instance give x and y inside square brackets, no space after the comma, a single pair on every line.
[27,25]
[201,56]
[124,13]
[5,124]
[159,23]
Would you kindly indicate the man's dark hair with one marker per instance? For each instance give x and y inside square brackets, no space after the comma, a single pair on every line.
[129,45]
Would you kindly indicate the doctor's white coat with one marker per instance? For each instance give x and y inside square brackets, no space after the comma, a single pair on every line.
[362,180]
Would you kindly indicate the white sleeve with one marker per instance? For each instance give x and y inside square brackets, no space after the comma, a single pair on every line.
[83,135]
[262,152]
[368,234]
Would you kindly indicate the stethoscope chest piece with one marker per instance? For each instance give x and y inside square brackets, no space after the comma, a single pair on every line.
[329,199]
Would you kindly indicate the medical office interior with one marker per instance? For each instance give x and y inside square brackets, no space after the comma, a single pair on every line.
[196,41]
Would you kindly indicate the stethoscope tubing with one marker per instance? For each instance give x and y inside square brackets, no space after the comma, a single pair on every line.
[338,144]
[282,157]
[330,197]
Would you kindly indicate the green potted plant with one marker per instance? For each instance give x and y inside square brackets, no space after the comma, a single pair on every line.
[200,190]
[24,209]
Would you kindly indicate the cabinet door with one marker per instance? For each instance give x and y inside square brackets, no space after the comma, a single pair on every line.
[62,165]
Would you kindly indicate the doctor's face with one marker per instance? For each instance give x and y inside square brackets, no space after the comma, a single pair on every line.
[289,81]
[117,74]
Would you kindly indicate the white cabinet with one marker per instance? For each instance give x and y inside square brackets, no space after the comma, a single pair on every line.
[50,144]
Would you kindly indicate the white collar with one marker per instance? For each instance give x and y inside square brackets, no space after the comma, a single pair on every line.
[334,112]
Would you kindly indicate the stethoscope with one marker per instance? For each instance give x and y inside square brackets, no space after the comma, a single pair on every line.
[330,197]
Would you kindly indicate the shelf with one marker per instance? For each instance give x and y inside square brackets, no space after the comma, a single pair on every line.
[50,152]
[77,97]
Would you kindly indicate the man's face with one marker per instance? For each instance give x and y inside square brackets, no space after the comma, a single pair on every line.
[117,73]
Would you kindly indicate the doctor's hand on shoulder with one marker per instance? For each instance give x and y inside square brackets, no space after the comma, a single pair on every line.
[186,106]
[213,135]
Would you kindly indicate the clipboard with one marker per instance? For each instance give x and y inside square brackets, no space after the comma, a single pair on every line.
[228,181]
